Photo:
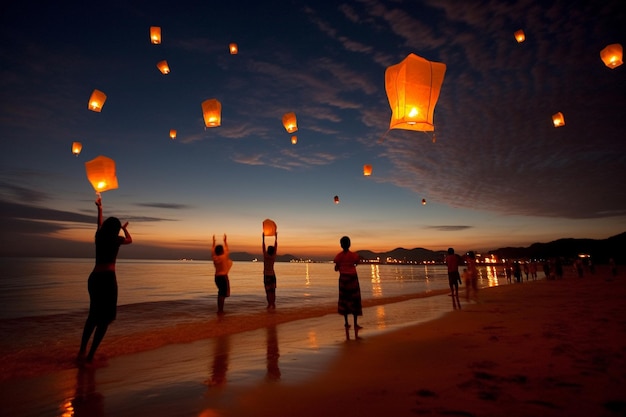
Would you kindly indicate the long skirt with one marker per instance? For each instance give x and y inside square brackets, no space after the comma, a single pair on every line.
[102,296]
[349,295]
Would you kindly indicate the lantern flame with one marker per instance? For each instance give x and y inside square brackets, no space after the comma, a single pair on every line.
[173,133]
[413,88]
[558,119]
[233,49]
[519,36]
[96,101]
[612,55]
[294,139]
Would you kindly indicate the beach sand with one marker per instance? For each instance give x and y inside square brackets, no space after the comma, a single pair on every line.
[544,348]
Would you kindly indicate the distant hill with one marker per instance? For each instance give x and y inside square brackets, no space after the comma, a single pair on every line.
[599,250]
[405,255]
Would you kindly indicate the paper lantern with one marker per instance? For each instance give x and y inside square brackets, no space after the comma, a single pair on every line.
[294,139]
[558,119]
[173,133]
[96,101]
[163,67]
[233,48]
[519,36]
[423,201]
[155,34]
[76,148]
[413,88]
[336,199]
[612,55]
[289,121]
[269,227]
[367,170]
[101,173]
[212,112]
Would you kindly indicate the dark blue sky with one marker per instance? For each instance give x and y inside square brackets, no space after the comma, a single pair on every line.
[498,174]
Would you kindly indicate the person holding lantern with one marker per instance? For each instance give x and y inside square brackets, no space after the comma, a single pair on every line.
[349,289]
[102,282]
[222,264]
[269,276]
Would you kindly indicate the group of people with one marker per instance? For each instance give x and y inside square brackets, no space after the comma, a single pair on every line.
[102,282]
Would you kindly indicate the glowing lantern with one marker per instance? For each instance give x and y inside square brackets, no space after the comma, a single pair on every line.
[96,101]
[367,170]
[269,227]
[289,121]
[558,119]
[294,139]
[155,34]
[173,133]
[423,201]
[336,199]
[612,55]
[519,36]
[163,67]
[233,49]
[212,111]
[101,173]
[76,148]
[413,88]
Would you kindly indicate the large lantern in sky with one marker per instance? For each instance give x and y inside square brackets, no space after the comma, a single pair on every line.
[612,55]
[96,101]
[233,49]
[289,121]
[155,34]
[367,170]
[558,119]
[163,67]
[519,36]
[76,148]
[413,88]
[269,227]
[212,112]
[101,173]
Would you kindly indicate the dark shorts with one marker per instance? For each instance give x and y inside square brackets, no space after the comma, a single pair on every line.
[270,282]
[223,285]
[454,278]
[102,288]
[349,295]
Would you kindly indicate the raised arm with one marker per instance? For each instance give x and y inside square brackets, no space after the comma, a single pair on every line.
[225,244]
[276,243]
[263,246]
[127,238]
[99,205]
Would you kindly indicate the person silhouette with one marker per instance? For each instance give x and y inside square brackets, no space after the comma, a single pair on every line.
[349,289]
[269,276]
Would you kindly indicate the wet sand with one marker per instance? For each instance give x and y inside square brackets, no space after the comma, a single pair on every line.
[544,348]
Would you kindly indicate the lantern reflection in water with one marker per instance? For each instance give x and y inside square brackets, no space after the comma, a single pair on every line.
[96,101]
[101,174]
[612,55]
[413,88]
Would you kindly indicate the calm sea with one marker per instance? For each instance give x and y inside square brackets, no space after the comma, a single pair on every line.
[44,302]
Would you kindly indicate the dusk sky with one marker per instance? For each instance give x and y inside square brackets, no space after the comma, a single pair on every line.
[498,174]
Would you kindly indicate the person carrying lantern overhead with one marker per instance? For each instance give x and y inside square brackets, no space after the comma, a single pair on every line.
[269,276]
[222,263]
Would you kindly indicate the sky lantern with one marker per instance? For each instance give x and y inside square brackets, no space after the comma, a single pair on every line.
[96,101]
[289,121]
[423,201]
[101,173]
[212,112]
[269,227]
[76,148]
[367,170]
[294,139]
[155,34]
[519,36]
[233,49]
[413,88]
[336,199]
[612,55]
[558,119]
[163,67]
[173,133]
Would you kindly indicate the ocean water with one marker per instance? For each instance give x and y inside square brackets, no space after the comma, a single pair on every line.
[44,303]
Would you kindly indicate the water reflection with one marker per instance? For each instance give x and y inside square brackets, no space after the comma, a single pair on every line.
[273,353]
[87,402]
[219,367]
[381,323]
[377,289]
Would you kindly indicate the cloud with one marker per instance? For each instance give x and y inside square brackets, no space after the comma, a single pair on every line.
[443,228]
[171,206]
